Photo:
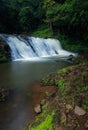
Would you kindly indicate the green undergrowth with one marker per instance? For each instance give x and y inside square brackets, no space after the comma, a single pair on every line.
[72,43]
[44,121]
[72,84]
[42,31]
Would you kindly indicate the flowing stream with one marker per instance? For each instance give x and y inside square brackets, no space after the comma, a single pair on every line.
[33,59]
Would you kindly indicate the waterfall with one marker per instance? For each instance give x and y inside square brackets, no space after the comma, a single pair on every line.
[35,47]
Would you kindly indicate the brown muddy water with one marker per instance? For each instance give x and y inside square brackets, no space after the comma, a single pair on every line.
[18,110]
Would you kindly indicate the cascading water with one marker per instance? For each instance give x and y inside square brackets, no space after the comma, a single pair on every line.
[32,47]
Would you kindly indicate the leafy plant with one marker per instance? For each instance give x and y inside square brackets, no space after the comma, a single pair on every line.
[60,84]
[47,124]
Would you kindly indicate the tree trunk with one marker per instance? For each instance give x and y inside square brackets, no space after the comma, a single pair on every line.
[51,27]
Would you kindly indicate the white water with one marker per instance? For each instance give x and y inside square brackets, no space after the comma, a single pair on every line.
[34,47]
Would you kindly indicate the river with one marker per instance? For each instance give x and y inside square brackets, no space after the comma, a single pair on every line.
[17,112]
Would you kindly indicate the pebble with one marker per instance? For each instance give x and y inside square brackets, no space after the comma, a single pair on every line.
[37,109]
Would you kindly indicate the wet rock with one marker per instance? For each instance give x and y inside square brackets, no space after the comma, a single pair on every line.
[79,111]
[4,94]
[5,52]
[37,109]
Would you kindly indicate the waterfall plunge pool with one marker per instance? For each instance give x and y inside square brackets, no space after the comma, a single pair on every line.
[17,112]
[33,58]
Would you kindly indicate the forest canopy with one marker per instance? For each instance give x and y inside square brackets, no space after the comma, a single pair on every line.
[62,16]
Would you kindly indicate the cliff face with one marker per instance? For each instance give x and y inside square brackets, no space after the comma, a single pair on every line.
[5,52]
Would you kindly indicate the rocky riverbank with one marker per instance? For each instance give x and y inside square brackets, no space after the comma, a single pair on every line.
[66,108]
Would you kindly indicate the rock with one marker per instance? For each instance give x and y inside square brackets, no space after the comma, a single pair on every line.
[4,94]
[37,109]
[68,108]
[79,111]
[5,52]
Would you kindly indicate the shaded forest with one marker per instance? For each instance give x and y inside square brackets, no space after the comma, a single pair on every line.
[68,17]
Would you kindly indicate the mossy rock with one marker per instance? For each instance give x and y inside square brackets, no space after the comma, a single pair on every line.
[5,52]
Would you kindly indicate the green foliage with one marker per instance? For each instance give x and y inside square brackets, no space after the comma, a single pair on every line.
[42,31]
[23,15]
[68,17]
[72,84]
[46,124]
[26,18]
[48,94]
[43,102]
[73,88]
[60,84]
[3,59]
[72,43]
[48,81]
[49,5]
[64,71]
[4,51]
[62,88]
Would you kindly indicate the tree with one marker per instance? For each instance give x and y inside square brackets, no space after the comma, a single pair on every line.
[50,7]
[3,14]
[26,18]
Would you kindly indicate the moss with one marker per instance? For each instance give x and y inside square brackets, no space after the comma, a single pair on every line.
[48,94]
[60,84]
[46,124]
[3,58]
[48,81]
[72,84]
[43,102]
[5,54]
[65,70]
